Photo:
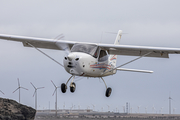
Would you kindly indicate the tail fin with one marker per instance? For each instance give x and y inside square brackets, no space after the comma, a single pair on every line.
[113,58]
[118,37]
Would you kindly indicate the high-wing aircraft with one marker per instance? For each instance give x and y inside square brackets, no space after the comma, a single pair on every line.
[92,59]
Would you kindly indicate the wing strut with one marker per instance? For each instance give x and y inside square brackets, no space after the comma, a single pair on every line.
[127,62]
[44,54]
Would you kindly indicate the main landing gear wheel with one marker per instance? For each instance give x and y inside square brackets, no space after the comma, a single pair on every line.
[72,87]
[63,87]
[108,92]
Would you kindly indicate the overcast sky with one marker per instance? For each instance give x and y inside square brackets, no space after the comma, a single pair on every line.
[147,22]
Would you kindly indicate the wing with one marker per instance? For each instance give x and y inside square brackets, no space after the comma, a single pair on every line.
[39,42]
[129,50]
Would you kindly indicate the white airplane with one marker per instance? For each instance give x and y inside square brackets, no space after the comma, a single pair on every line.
[93,59]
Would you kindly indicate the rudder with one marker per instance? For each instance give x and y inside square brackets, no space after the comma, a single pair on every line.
[113,58]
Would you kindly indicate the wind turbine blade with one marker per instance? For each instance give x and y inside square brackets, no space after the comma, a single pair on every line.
[24,88]
[33,85]
[54,92]
[16,89]
[53,83]
[1,92]
[18,82]
[40,87]
[34,93]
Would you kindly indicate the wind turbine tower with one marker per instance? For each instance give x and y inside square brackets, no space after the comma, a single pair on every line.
[138,108]
[19,87]
[170,103]
[93,107]
[56,87]
[108,108]
[35,93]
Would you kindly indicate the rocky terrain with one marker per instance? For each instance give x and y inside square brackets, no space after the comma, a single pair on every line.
[12,110]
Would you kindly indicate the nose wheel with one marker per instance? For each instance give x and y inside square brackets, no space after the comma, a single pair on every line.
[72,87]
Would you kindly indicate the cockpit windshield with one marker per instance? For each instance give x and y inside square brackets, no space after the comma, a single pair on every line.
[86,48]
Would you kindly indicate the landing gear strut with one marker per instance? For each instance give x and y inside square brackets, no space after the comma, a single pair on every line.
[73,87]
[108,90]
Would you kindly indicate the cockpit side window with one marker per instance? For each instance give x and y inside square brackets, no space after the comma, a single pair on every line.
[103,56]
[96,53]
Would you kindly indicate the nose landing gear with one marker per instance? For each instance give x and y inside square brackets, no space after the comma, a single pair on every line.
[72,87]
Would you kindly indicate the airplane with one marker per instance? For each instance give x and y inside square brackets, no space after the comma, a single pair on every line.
[96,60]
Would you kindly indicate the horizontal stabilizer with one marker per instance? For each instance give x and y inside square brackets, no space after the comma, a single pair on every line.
[134,70]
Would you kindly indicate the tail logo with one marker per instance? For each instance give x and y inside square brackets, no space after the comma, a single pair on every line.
[113,58]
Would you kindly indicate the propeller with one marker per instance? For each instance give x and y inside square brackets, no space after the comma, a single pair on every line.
[62,46]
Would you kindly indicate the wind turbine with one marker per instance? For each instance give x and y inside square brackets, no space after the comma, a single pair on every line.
[153,108]
[102,109]
[19,87]
[161,109]
[174,110]
[108,107]
[131,109]
[64,105]
[146,109]
[123,108]
[35,93]
[1,92]
[88,108]
[79,106]
[93,107]
[170,102]
[56,95]
[138,108]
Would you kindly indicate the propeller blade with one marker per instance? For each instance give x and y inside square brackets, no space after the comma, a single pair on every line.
[64,47]
[59,37]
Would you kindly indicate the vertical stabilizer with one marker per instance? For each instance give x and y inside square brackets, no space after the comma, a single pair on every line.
[113,58]
[118,37]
